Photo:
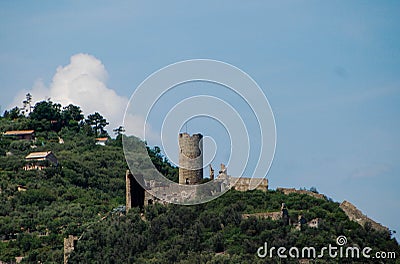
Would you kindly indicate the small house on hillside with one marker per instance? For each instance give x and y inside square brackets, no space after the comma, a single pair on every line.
[101,141]
[40,160]
[20,134]
[21,188]
[315,223]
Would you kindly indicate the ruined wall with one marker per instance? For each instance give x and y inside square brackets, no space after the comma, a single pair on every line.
[211,172]
[190,158]
[288,191]
[69,245]
[128,193]
[243,184]
[272,215]
[135,193]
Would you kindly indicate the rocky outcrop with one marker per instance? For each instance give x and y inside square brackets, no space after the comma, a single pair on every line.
[356,215]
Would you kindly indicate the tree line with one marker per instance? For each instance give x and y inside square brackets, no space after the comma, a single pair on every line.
[49,116]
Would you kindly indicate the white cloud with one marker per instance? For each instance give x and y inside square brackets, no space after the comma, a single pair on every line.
[83,82]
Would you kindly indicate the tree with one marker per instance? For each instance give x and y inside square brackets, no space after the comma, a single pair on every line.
[46,115]
[97,122]
[13,113]
[46,110]
[73,112]
[118,131]
[71,115]
[27,104]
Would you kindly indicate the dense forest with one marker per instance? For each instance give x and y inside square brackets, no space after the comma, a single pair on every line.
[79,196]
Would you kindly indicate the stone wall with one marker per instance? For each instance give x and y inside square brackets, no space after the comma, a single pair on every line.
[135,193]
[272,215]
[288,191]
[243,184]
[69,245]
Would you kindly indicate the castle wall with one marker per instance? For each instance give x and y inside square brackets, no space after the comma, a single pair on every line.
[190,158]
[135,193]
[288,191]
[243,184]
[272,215]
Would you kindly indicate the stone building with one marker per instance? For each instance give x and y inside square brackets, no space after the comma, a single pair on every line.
[40,160]
[136,194]
[140,192]
[190,158]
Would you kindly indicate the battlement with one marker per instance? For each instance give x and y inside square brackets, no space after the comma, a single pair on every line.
[243,184]
[194,136]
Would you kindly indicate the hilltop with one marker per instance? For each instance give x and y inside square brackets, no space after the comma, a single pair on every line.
[219,232]
[78,194]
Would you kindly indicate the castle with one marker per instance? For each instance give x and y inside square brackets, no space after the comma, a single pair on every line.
[190,158]
[140,192]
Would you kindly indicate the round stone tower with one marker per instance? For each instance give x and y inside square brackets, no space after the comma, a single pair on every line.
[190,158]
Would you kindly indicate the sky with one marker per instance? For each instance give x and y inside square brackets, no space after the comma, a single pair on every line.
[330,71]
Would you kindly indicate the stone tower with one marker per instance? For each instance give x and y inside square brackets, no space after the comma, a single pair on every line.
[190,158]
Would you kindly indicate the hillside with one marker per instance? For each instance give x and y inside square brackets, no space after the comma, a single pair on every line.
[216,232]
[39,208]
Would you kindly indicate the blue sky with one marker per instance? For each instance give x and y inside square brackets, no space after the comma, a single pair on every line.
[330,70]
